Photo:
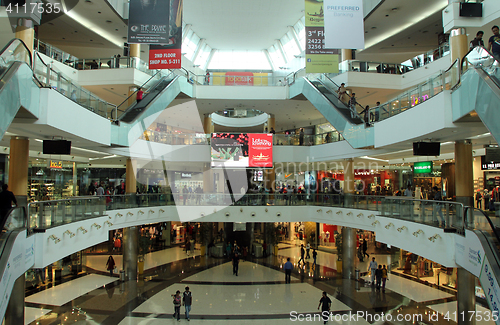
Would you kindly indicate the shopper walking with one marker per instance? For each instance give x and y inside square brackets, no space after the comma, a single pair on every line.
[301,137]
[365,248]
[288,270]
[378,276]
[479,199]
[325,303]
[478,40]
[437,206]
[236,261]
[384,277]
[308,248]
[177,305]
[110,265]
[187,299]
[302,252]
[6,200]
[315,254]
[372,267]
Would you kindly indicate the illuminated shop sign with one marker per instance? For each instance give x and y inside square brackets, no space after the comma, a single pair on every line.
[422,167]
[489,165]
[56,164]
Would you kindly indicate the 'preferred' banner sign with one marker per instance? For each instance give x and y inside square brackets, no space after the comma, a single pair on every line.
[341,16]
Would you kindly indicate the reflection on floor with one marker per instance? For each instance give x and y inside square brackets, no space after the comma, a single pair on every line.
[483,316]
[257,294]
[31,314]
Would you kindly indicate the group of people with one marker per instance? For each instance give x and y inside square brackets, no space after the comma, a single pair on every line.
[493,42]
[489,197]
[305,251]
[186,300]
[379,274]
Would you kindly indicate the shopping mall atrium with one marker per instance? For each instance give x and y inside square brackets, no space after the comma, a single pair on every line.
[147,146]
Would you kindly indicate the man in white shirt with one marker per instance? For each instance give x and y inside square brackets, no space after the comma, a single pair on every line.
[372,268]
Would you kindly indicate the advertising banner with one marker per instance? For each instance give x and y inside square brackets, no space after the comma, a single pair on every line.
[260,150]
[241,150]
[422,167]
[168,55]
[148,22]
[340,16]
[319,58]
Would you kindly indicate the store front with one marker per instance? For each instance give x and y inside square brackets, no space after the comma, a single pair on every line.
[50,179]
[368,182]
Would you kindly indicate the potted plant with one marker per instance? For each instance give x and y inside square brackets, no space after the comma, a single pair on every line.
[338,244]
[144,243]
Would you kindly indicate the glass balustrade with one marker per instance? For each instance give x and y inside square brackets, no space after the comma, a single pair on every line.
[15,50]
[395,68]
[49,77]
[54,53]
[239,113]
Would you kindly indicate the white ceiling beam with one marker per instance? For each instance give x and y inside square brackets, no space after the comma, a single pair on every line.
[210,56]
[187,29]
[295,37]
[200,45]
[268,57]
[282,50]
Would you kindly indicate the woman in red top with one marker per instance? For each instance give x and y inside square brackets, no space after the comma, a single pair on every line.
[140,93]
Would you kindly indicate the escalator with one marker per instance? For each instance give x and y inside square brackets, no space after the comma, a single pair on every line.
[321,93]
[134,110]
[16,78]
[338,104]
[479,90]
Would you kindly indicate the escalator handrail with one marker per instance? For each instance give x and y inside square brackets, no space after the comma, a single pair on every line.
[24,44]
[140,87]
[472,49]
[487,218]
[333,82]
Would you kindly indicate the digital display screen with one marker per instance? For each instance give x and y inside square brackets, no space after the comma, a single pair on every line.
[241,150]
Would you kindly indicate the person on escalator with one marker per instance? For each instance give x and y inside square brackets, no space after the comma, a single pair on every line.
[352,105]
[494,43]
[477,41]
[342,91]
[140,95]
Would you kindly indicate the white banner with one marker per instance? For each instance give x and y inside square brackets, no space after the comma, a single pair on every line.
[344,25]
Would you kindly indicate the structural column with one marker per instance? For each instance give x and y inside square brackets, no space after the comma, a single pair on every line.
[348,252]
[134,52]
[458,43]
[346,54]
[348,181]
[271,123]
[130,252]
[18,171]
[466,296]
[464,185]
[25,32]
[208,126]
[208,182]
[14,315]
[130,177]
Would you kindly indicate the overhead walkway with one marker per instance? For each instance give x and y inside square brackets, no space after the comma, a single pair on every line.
[426,228]
[479,90]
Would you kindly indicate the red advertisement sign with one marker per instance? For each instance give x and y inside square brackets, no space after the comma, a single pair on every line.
[260,150]
[164,58]
[239,78]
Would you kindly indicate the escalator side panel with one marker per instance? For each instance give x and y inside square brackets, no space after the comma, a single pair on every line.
[464,98]
[17,257]
[487,104]
[127,134]
[17,89]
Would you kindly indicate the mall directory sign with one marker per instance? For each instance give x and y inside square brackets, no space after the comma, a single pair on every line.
[422,167]
[319,59]
[241,150]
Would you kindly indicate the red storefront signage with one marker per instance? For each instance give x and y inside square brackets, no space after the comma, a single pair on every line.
[260,150]
[164,58]
[239,78]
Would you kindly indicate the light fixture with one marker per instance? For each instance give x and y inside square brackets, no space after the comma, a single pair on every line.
[227,214]
[433,238]
[83,230]
[400,229]
[329,211]
[339,212]
[161,210]
[371,216]
[319,210]
[119,215]
[349,213]
[389,225]
[68,232]
[360,215]
[140,212]
[108,223]
[418,232]
[375,222]
[278,214]
[129,214]
[54,238]
[151,211]
[96,225]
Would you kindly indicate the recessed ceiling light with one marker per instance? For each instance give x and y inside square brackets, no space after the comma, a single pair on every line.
[109,21]
[98,12]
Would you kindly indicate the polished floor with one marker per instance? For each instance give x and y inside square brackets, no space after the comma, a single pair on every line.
[258,295]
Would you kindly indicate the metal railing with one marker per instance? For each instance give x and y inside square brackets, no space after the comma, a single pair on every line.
[395,68]
[54,53]
[278,139]
[51,78]
[15,50]
[48,214]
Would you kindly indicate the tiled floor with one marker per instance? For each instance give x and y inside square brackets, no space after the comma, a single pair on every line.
[450,308]
[258,295]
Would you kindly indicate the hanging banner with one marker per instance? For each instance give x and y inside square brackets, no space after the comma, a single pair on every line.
[260,150]
[344,15]
[168,56]
[319,59]
[148,22]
